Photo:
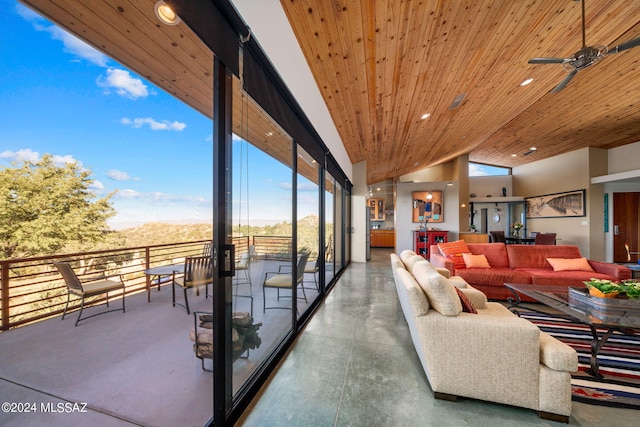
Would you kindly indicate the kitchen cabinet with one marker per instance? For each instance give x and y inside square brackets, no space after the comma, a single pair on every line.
[382,238]
[377,209]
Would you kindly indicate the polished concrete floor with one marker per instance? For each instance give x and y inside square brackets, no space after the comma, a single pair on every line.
[355,365]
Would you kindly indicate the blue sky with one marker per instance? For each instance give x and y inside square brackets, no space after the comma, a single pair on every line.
[62,97]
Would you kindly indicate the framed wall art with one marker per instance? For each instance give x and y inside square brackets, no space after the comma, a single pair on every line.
[557,205]
[427,208]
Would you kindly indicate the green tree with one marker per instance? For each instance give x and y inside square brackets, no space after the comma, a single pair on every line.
[45,208]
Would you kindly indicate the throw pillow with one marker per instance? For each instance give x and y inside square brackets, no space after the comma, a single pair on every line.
[467,305]
[475,261]
[569,264]
[454,251]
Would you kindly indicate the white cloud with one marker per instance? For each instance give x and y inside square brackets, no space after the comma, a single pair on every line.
[285,185]
[153,124]
[476,170]
[63,160]
[77,47]
[21,155]
[117,175]
[72,44]
[158,198]
[123,83]
[97,185]
[28,155]
[127,194]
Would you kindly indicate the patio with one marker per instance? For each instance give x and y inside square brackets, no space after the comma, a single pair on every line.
[136,368]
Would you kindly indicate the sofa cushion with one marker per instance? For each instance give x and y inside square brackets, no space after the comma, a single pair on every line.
[569,264]
[496,253]
[415,295]
[396,262]
[413,260]
[467,305]
[493,276]
[406,254]
[454,251]
[546,276]
[441,293]
[456,281]
[475,261]
[477,298]
[535,256]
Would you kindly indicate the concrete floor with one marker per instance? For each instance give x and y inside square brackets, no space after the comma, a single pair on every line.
[133,368]
[355,365]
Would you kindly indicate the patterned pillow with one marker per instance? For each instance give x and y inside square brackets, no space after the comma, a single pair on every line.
[454,251]
[467,305]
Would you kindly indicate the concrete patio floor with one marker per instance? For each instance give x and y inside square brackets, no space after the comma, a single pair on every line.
[133,368]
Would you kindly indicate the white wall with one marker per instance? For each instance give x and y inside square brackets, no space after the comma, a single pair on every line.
[404,211]
[624,159]
[270,27]
[568,172]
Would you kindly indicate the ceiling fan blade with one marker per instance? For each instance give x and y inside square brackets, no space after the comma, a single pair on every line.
[625,46]
[546,61]
[565,81]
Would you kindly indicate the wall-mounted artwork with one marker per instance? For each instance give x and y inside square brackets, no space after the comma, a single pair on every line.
[427,208]
[558,205]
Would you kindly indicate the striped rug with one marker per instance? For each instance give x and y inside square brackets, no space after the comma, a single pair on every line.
[619,362]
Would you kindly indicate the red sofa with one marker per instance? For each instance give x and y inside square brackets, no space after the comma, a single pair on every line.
[525,264]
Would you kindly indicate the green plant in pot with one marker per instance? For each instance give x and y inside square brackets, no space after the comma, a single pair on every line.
[632,288]
[603,288]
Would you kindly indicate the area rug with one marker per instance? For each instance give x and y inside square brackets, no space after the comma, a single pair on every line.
[619,361]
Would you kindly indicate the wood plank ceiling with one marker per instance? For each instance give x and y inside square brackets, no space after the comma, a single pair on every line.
[381,64]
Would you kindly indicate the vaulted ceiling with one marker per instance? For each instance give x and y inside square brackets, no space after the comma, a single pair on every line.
[381,65]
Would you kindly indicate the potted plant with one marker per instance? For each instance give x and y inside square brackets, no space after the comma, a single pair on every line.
[631,288]
[603,288]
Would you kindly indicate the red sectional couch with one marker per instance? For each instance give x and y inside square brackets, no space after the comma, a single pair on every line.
[525,264]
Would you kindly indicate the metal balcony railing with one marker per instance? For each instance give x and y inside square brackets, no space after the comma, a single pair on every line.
[31,289]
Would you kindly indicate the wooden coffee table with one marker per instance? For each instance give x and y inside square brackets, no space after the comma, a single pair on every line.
[557,297]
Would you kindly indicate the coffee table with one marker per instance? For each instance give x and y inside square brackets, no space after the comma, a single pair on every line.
[557,297]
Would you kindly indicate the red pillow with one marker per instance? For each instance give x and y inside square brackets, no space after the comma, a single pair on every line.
[467,305]
[454,251]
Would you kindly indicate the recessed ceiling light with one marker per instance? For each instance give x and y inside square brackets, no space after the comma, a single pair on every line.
[425,116]
[166,14]
[514,155]
[416,163]
[377,188]
[526,82]
[532,149]
[269,133]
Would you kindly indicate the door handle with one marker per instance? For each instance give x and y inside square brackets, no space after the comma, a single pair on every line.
[229,261]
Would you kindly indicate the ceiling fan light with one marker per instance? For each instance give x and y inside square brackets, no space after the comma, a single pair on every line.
[166,14]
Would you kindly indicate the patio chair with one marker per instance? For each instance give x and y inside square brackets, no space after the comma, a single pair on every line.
[314,269]
[206,249]
[283,280]
[198,271]
[545,239]
[243,265]
[88,287]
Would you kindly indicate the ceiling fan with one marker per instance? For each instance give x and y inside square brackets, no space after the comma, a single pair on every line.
[583,58]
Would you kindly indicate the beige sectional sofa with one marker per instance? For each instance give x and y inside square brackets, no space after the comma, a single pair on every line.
[490,355]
